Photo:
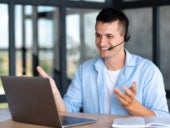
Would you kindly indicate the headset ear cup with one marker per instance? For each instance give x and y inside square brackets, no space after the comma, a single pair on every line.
[127,37]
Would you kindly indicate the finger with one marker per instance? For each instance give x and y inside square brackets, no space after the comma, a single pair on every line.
[121,95]
[121,100]
[129,93]
[118,92]
[42,72]
[124,99]
[133,87]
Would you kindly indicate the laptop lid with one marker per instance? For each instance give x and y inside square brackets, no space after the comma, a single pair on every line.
[30,100]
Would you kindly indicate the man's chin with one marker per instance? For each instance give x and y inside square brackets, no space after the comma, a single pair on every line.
[104,56]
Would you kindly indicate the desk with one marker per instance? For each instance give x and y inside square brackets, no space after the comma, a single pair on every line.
[103,120]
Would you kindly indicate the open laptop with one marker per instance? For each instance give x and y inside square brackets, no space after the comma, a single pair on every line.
[30,100]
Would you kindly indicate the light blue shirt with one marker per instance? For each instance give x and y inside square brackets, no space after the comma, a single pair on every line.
[87,87]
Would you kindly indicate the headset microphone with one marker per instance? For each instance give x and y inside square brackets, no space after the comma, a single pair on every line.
[115,46]
[126,39]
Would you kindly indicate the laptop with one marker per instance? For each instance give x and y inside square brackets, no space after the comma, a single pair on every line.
[30,100]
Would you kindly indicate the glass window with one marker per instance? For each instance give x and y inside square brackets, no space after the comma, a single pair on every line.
[18,26]
[18,38]
[4,26]
[28,9]
[28,33]
[26,36]
[47,37]
[140,29]
[45,9]
[164,44]
[45,33]
[23,37]
[80,28]
[46,60]
[4,42]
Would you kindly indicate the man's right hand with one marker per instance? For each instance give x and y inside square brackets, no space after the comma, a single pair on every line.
[45,75]
[58,99]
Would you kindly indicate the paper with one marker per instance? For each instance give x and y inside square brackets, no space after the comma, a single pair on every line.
[141,122]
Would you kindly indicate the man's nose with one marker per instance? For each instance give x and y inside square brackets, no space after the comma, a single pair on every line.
[103,41]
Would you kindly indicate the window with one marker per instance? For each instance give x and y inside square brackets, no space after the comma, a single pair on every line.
[80,37]
[4,62]
[34,30]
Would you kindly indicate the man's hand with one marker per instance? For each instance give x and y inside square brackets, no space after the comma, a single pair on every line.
[45,75]
[128,97]
[58,99]
[128,100]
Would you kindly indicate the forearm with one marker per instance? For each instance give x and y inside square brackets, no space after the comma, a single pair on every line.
[59,101]
[57,97]
[138,109]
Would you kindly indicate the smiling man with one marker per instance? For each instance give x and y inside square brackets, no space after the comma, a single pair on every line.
[117,82]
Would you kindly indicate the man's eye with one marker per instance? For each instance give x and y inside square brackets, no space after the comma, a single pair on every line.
[97,35]
[109,36]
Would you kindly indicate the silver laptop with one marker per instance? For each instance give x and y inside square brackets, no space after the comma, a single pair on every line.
[30,100]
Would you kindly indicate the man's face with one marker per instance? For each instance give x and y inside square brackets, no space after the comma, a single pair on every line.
[108,35]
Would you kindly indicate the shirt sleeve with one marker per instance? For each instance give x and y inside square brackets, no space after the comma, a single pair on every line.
[154,93]
[73,96]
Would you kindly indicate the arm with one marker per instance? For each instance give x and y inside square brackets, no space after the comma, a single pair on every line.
[128,100]
[58,99]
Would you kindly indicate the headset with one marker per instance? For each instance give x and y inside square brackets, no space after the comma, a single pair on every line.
[126,37]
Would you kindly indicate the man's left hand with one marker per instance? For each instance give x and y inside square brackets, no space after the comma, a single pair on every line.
[128,97]
[128,100]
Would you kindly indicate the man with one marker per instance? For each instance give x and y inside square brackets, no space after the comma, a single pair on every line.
[117,82]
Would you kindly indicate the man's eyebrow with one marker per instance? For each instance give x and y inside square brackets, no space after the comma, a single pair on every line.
[109,34]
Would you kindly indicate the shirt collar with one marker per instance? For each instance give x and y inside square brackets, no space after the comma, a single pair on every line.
[130,61]
[99,64]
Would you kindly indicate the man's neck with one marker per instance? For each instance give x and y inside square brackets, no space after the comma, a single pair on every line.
[116,62]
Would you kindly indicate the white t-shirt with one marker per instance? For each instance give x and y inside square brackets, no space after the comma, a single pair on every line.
[111,79]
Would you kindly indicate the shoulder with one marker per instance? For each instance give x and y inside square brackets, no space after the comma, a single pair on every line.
[133,59]
[92,62]
[91,65]
[86,65]
[143,63]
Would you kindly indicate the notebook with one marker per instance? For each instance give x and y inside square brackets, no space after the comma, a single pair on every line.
[30,100]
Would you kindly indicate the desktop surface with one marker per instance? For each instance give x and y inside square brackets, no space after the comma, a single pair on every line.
[103,120]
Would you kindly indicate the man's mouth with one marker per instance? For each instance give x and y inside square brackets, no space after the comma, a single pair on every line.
[104,49]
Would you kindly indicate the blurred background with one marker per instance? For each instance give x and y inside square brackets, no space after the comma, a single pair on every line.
[59,35]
